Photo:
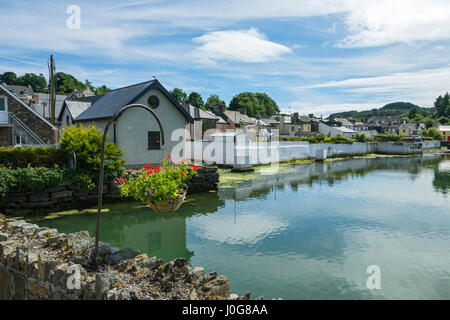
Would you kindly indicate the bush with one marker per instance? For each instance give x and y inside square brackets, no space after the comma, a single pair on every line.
[338,140]
[362,137]
[29,179]
[432,133]
[87,143]
[36,179]
[21,157]
[388,137]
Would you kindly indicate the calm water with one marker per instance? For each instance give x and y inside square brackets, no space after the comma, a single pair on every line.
[308,232]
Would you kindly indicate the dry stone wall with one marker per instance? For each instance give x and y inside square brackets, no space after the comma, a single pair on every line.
[37,263]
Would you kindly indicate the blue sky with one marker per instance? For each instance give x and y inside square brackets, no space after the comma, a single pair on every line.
[309,55]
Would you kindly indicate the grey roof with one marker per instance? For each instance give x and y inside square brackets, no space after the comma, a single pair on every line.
[198,113]
[238,117]
[76,107]
[107,105]
[44,104]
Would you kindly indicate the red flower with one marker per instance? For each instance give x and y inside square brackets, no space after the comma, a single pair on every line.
[195,168]
[182,173]
[168,157]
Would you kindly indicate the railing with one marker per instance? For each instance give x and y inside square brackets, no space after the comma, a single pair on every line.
[26,136]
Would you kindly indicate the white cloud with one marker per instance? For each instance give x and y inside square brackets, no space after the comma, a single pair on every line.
[382,22]
[238,45]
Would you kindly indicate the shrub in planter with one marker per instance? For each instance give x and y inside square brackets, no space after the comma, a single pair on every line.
[160,187]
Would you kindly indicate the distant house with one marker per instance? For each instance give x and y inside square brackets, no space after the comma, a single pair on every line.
[136,131]
[239,118]
[24,93]
[393,129]
[445,130]
[203,121]
[41,103]
[331,131]
[20,124]
[411,129]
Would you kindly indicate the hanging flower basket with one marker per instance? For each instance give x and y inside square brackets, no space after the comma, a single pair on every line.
[168,203]
[161,188]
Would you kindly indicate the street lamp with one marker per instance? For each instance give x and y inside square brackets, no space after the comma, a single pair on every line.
[102,158]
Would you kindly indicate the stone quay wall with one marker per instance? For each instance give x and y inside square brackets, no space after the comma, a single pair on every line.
[65,196]
[38,263]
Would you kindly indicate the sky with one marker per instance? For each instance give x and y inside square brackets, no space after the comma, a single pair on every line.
[311,56]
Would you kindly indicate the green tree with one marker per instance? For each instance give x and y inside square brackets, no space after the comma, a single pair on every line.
[66,83]
[433,133]
[89,85]
[178,94]
[213,101]
[8,77]
[254,103]
[102,90]
[196,100]
[441,104]
[413,112]
[37,82]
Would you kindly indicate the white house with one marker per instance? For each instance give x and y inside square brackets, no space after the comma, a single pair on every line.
[136,131]
[330,131]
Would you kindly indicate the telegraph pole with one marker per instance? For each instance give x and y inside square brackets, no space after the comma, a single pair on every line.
[52,90]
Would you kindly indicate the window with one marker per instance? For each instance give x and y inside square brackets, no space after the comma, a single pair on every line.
[153,140]
[153,101]
[2,103]
[67,120]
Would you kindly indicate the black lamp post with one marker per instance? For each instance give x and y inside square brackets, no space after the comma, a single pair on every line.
[102,158]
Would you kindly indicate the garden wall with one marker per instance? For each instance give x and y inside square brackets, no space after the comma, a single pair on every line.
[42,264]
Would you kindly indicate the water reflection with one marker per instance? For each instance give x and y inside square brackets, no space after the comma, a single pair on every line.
[308,231]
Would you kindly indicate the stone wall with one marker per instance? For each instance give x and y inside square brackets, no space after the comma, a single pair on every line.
[41,264]
[60,197]
[206,179]
[5,137]
[34,122]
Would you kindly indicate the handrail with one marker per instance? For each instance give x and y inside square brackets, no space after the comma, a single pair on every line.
[25,128]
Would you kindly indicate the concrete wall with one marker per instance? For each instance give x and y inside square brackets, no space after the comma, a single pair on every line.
[398,148]
[221,152]
[431,144]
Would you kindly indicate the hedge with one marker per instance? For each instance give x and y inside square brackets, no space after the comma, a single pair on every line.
[22,157]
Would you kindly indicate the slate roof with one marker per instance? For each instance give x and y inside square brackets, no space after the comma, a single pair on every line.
[198,113]
[107,105]
[238,117]
[75,108]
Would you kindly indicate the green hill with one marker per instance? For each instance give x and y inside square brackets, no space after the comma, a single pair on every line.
[395,108]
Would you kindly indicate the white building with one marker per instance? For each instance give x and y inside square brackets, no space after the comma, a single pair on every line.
[330,131]
[136,131]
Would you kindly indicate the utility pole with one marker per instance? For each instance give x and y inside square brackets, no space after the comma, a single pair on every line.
[52,90]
